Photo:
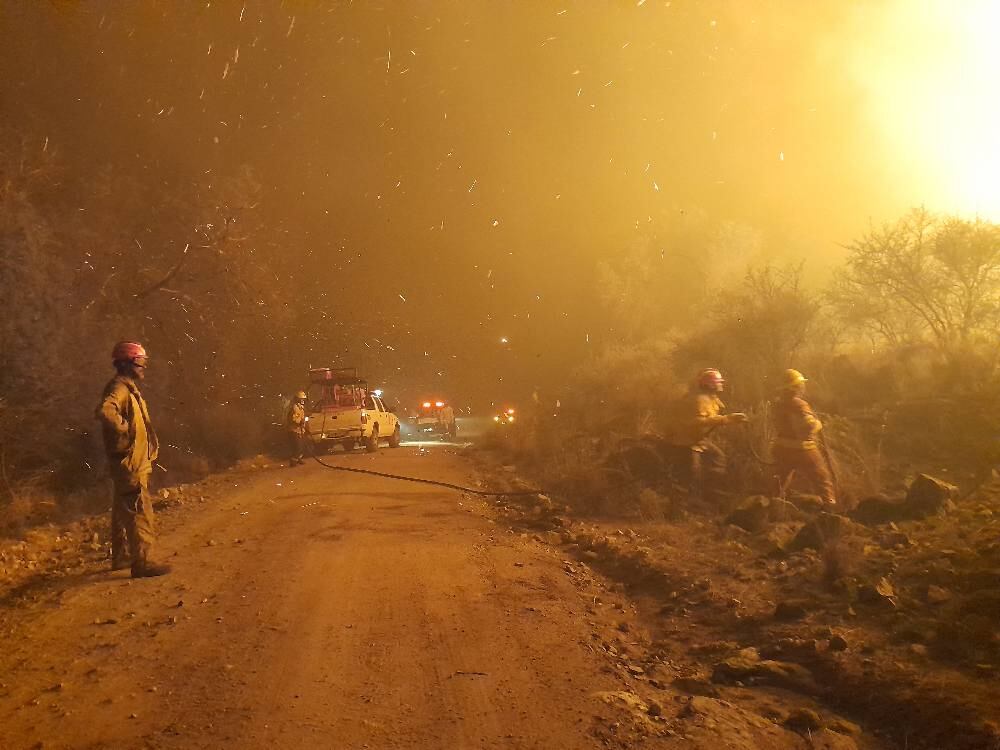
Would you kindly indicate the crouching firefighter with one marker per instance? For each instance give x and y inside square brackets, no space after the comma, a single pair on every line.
[797,450]
[699,460]
[131,447]
[296,423]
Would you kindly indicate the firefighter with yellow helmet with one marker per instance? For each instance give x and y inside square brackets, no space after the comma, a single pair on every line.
[796,446]
[697,416]
[296,423]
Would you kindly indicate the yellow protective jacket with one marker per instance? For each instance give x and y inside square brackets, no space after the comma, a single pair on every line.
[795,425]
[297,418]
[694,418]
[129,438]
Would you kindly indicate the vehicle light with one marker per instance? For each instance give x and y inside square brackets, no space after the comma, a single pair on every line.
[307,419]
[364,418]
[510,418]
[510,411]
[377,392]
[427,404]
[496,419]
[439,404]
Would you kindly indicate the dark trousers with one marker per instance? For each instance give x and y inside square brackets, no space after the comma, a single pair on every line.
[296,447]
[131,517]
[701,467]
[809,465]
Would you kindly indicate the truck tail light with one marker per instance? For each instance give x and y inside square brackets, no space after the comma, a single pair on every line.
[364,418]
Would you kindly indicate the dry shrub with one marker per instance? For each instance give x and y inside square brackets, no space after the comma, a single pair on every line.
[223,434]
[34,504]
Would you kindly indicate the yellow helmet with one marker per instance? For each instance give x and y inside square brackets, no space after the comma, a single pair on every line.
[793,379]
[301,396]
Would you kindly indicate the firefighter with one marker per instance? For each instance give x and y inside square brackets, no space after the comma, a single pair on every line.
[699,413]
[296,422]
[132,447]
[796,447]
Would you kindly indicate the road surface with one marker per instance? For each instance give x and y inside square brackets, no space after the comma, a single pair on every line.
[313,609]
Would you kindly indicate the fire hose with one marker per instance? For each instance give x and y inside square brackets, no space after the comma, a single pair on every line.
[418,480]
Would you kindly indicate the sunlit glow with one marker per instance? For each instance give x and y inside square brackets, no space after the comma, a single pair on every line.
[931,71]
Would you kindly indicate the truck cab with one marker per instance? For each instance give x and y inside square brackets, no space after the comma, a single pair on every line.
[342,410]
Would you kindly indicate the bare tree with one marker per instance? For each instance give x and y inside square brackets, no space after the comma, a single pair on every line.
[924,279]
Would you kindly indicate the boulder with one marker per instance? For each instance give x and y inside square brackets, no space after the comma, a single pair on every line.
[880,594]
[937,595]
[753,514]
[803,720]
[880,509]
[748,668]
[927,496]
[789,611]
[818,533]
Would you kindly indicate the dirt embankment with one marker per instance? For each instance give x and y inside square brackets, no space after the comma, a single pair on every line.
[883,631]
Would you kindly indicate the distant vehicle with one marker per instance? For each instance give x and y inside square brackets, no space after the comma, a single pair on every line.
[504,418]
[342,410]
[435,417]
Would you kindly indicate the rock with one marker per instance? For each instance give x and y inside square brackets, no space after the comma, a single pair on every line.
[747,667]
[895,540]
[654,709]
[819,532]
[553,537]
[752,514]
[696,686]
[927,496]
[165,493]
[843,726]
[803,720]
[937,595]
[807,503]
[918,649]
[827,739]
[880,509]
[789,611]
[774,542]
[837,643]
[879,594]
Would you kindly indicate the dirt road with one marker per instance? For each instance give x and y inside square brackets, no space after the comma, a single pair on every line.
[313,609]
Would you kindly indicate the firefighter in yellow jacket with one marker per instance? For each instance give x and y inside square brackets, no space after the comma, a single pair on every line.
[132,447]
[796,448]
[295,421]
[698,415]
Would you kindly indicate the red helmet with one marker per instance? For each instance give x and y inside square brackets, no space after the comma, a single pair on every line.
[127,351]
[710,377]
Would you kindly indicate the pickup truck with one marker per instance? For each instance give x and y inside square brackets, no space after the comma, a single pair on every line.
[341,410]
[435,417]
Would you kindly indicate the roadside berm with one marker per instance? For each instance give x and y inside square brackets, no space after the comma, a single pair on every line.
[876,627]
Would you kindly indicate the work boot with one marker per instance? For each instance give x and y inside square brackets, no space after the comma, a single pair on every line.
[149,570]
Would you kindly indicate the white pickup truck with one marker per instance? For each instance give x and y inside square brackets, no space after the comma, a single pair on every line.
[341,410]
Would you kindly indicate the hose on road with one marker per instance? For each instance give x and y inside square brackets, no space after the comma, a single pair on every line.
[400,477]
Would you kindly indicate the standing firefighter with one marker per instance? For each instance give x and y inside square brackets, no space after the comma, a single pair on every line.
[698,415]
[296,422]
[132,448]
[796,445]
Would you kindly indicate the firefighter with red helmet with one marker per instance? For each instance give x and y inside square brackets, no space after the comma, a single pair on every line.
[696,417]
[796,446]
[132,447]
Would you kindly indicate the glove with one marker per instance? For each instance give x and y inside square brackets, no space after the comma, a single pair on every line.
[737,418]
